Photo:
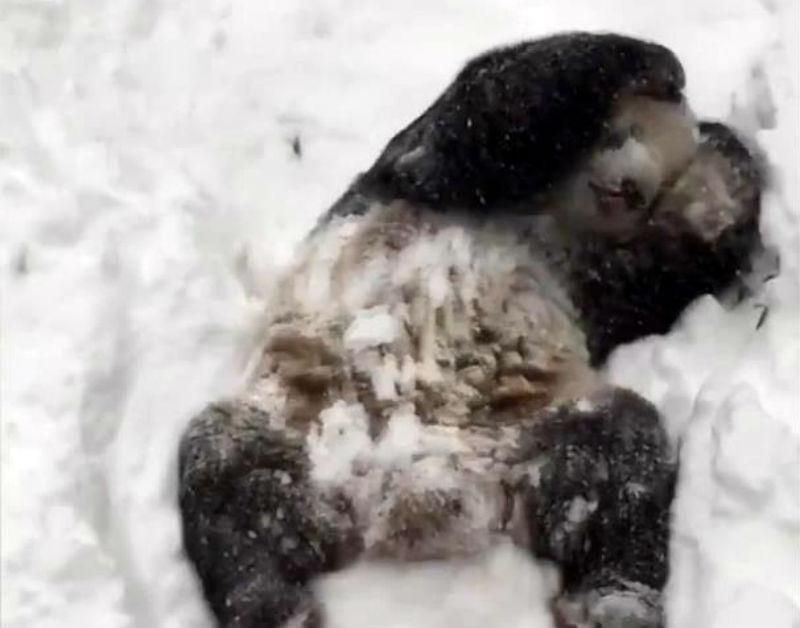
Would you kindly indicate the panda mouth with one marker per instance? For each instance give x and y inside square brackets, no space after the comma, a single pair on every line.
[619,199]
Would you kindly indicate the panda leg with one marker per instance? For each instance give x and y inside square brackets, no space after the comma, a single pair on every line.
[253,528]
[598,504]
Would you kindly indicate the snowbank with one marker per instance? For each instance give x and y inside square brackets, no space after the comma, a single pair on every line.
[158,159]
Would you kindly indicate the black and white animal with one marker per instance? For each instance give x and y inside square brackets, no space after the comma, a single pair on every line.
[428,382]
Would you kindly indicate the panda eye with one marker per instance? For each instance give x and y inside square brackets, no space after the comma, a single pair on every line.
[636,131]
[614,138]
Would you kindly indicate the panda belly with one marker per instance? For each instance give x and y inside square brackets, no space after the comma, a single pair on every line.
[411,358]
[418,492]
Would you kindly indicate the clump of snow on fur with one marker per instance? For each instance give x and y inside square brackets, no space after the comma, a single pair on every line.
[338,441]
[371,327]
[340,445]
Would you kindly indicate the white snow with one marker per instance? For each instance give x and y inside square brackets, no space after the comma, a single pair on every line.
[473,593]
[149,186]
[371,327]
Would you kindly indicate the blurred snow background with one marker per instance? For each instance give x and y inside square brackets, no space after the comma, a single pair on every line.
[158,159]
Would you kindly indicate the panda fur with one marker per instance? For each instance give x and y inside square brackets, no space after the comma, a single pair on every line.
[428,382]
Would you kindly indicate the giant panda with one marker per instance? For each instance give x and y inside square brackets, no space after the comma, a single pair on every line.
[428,384]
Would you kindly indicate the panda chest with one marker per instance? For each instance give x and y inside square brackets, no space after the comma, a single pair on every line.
[475,338]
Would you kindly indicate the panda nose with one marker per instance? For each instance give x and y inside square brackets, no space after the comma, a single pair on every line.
[634,199]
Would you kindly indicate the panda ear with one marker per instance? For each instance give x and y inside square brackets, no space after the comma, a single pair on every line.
[411,160]
[413,166]
[750,160]
[408,166]
[749,168]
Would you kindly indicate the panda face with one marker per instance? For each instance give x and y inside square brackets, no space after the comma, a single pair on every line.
[646,146]
[697,237]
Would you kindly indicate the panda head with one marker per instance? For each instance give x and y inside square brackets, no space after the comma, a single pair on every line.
[639,264]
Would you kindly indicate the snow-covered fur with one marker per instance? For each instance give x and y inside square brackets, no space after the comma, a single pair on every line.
[427,382]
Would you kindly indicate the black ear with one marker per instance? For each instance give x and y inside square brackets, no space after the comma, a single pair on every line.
[747,159]
[517,119]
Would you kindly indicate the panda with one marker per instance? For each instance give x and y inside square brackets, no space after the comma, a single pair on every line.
[429,381]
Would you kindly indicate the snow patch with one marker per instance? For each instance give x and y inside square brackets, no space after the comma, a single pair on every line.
[504,587]
[371,327]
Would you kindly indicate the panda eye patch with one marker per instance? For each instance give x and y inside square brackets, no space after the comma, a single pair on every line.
[636,131]
[614,138]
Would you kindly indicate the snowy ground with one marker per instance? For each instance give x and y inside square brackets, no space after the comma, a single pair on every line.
[149,187]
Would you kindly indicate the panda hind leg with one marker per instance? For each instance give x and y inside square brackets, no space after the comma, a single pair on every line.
[597,503]
[252,526]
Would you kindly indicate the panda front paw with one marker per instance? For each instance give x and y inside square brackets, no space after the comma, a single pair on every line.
[627,605]
[598,506]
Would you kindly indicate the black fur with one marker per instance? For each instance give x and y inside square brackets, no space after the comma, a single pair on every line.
[251,525]
[516,120]
[600,503]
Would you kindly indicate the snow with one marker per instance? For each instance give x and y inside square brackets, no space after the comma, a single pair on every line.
[438,594]
[370,328]
[151,183]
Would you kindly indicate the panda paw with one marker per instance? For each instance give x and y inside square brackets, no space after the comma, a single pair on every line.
[626,606]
